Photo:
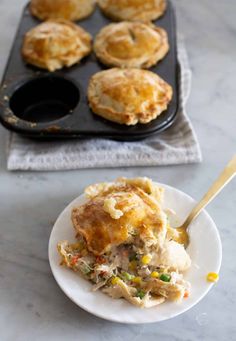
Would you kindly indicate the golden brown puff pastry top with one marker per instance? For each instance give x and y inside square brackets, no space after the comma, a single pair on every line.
[128,96]
[131,44]
[56,43]
[116,214]
[133,10]
[65,9]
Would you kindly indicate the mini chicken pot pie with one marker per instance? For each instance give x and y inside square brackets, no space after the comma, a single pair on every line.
[131,44]
[55,44]
[123,246]
[69,9]
[128,96]
[133,10]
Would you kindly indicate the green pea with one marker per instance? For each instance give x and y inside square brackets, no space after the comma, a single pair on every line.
[165,277]
[127,276]
[86,269]
[140,294]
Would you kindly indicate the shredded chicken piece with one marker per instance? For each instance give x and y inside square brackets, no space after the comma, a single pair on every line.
[173,292]
[123,290]
[99,285]
[151,301]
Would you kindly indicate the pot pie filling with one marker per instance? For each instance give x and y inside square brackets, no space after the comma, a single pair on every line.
[124,244]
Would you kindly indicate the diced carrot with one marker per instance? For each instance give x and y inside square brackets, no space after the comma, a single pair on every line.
[186,294]
[74,259]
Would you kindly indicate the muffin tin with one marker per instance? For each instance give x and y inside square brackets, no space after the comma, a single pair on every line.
[45,105]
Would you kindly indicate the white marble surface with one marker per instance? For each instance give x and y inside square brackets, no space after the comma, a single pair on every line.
[32,307]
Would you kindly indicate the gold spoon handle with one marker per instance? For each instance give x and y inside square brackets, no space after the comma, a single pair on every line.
[227,175]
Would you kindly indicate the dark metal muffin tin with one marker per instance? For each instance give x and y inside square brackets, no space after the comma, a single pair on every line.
[40,104]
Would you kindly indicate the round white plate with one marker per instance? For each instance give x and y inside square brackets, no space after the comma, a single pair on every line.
[204,250]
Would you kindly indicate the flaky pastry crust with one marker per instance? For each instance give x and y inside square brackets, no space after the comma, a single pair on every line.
[128,96]
[138,212]
[55,44]
[69,9]
[133,10]
[131,44]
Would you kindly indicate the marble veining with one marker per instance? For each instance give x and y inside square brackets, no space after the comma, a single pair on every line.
[32,307]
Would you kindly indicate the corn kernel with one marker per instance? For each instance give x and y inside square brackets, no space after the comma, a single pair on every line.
[115,280]
[155,274]
[146,259]
[137,280]
[212,277]
[133,265]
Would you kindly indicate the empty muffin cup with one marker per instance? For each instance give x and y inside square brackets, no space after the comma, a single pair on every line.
[44,99]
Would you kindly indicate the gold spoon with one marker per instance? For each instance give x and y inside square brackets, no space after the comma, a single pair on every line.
[227,175]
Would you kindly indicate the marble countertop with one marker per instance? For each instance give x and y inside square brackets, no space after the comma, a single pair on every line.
[32,307]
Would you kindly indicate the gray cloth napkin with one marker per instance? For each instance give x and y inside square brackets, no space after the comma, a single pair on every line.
[177,145]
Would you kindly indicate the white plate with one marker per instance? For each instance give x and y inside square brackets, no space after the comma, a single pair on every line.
[204,250]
